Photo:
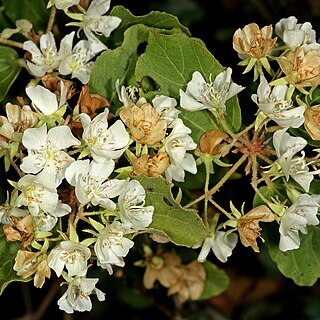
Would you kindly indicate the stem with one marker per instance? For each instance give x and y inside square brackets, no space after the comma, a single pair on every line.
[221,182]
[221,209]
[206,189]
[11,43]
[20,173]
[51,19]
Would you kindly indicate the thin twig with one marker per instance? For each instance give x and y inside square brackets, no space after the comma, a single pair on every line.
[11,43]
[51,18]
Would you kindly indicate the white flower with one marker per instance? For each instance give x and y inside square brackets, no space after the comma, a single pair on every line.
[221,243]
[165,106]
[71,255]
[296,218]
[295,34]
[76,61]
[92,184]
[47,221]
[103,142]
[129,96]
[177,144]
[45,149]
[93,22]
[44,101]
[62,4]
[47,58]
[202,95]
[286,147]
[38,192]
[112,246]
[131,201]
[76,298]
[274,105]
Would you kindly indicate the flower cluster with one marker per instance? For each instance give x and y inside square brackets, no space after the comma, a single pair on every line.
[78,195]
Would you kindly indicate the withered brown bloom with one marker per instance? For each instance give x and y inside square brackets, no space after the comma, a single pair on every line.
[162,267]
[144,123]
[252,41]
[27,263]
[52,83]
[248,226]
[90,102]
[151,166]
[22,231]
[191,282]
[312,121]
[211,142]
[302,69]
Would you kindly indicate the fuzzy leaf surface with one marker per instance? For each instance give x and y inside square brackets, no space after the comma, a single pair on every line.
[182,226]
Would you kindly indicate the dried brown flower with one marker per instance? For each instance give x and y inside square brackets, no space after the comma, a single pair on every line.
[52,83]
[27,263]
[22,231]
[191,282]
[302,68]
[248,226]
[210,142]
[253,41]
[151,166]
[144,123]
[312,121]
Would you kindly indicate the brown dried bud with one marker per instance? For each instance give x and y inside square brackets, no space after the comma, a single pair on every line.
[312,121]
[27,263]
[144,123]
[151,166]
[52,83]
[302,69]
[210,142]
[248,226]
[89,102]
[253,41]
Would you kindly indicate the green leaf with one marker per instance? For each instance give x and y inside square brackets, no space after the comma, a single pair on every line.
[182,226]
[199,122]
[9,69]
[170,61]
[154,19]
[217,281]
[301,265]
[33,10]
[8,252]
[119,64]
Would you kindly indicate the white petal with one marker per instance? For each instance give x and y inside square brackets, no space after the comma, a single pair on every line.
[62,138]
[43,99]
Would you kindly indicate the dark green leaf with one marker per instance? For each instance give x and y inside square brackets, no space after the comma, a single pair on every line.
[182,226]
[154,19]
[170,61]
[301,132]
[301,265]
[33,10]
[217,281]
[9,69]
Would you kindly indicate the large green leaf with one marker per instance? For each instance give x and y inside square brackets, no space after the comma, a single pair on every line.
[8,252]
[33,10]
[217,281]
[9,69]
[120,64]
[170,61]
[182,226]
[301,265]
[154,19]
